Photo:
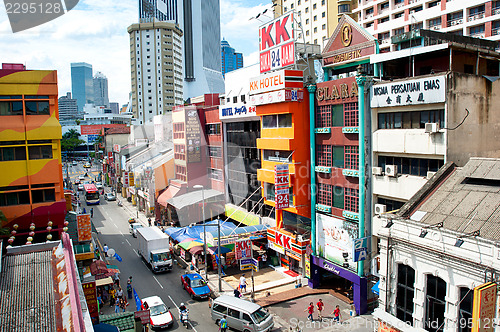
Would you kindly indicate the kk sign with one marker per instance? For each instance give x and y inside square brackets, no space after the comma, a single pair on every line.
[277,43]
[360,249]
[243,249]
[281,190]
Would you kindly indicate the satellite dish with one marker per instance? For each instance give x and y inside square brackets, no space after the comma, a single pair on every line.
[111,252]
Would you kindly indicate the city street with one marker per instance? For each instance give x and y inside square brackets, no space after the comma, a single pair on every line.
[111,222]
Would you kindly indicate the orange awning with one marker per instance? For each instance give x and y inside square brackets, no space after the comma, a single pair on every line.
[167,194]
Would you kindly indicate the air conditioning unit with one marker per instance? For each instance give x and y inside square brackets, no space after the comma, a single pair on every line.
[391,170]
[377,170]
[431,127]
[430,174]
[380,208]
[459,21]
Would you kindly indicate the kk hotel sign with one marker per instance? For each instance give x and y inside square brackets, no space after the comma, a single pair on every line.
[277,43]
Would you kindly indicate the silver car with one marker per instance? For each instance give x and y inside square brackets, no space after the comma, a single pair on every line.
[242,315]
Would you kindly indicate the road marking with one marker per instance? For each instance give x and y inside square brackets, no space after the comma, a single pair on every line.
[179,313]
[158,282]
[115,225]
[127,241]
[136,253]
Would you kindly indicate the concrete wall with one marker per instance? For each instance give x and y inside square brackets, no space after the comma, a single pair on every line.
[479,135]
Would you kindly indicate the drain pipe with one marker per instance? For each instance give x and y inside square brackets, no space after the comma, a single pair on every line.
[312,142]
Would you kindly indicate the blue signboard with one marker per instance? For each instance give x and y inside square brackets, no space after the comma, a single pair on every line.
[360,249]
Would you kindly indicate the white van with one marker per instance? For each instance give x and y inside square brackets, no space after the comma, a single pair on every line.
[241,315]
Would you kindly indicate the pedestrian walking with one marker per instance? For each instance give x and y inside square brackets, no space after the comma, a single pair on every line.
[264,260]
[149,222]
[243,283]
[320,305]
[223,324]
[111,296]
[119,293]
[310,310]
[129,290]
[91,212]
[105,249]
[123,305]
[237,293]
[336,314]
[117,305]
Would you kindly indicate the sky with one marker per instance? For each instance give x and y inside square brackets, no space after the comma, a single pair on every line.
[95,31]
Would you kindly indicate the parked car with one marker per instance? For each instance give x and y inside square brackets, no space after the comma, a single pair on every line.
[80,187]
[74,163]
[160,315]
[77,181]
[87,165]
[133,228]
[195,285]
[110,197]
[81,177]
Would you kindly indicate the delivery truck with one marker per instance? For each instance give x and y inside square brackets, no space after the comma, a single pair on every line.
[154,248]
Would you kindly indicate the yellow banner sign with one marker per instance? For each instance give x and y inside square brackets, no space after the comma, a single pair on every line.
[483,312]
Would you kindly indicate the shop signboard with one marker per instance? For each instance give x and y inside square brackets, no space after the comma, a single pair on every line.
[243,249]
[116,148]
[281,184]
[125,179]
[278,96]
[143,315]
[131,181]
[484,308]
[249,263]
[237,111]
[89,290]
[409,92]
[277,43]
[84,227]
[278,80]
[336,237]
[193,136]
[360,249]
[382,327]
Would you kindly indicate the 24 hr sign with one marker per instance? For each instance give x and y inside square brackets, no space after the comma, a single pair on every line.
[277,43]
[281,183]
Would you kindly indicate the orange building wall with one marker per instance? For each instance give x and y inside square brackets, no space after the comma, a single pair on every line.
[291,139]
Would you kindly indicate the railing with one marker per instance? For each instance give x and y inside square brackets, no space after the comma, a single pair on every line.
[495,31]
[435,27]
[398,5]
[451,23]
[473,17]
[496,11]
[477,35]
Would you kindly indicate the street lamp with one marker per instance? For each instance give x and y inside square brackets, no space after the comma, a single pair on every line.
[199,186]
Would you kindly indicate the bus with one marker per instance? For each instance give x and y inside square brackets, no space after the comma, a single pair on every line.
[91,194]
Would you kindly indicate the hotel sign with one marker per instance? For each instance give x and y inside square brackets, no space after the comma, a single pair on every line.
[237,111]
[277,43]
[291,79]
[411,92]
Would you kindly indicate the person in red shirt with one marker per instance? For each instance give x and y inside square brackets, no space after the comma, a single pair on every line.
[310,310]
[336,314]
[320,305]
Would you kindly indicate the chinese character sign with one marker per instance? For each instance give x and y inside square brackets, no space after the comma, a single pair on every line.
[84,228]
[243,249]
[484,307]
[281,184]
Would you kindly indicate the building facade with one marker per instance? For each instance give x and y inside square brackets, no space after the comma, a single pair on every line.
[318,18]
[100,90]
[231,60]
[82,85]
[160,10]
[32,182]
[386,19]
[68,108]
[156,67]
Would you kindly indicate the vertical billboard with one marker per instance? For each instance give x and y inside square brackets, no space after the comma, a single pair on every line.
[277,43]
[336,237]
[84,227]
[193,136]
[484,308]
[281,184]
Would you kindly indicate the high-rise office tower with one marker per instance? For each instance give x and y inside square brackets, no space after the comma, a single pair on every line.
[68,108]
[231,60]
[156,68]
[82,85]
[318,18]
[200,22]
[115,107]
[100,90]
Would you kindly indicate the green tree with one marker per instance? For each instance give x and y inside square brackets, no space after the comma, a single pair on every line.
[70,140]
[3,230]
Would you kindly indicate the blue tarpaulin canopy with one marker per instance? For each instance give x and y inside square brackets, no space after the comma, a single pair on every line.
[375,288]
[226,229]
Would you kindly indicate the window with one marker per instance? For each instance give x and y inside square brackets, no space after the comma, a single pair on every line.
[405,293]
[220,308]
[325,194]
[307,21]
[307,9]
[215,174]
[435,304]
[43,195]
[314,6]
[351,199]
[37,107]
[270,193]
[390,204]
[434,3]
[40,152]
[344,8]
[315,31]
[307,32]
[315,18]
[212,129]
[398,15]
[277,155]
[245,317]
[351,114]
[465,309]
[180,173]
[399,31]
[180,151]
[384,19]
[323,27]
[11,108]
[477,30]
[214,151]
[322,2]
[323,14]
[14,198]
[410,120]
[13,153]
[338,197]
[411,166]
[324,155]
[351,156]
[277,121]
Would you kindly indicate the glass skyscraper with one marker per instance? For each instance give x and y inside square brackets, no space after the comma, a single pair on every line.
[82,85]
[230,59]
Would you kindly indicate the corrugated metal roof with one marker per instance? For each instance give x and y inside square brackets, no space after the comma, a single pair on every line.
[27,301]
[467,207]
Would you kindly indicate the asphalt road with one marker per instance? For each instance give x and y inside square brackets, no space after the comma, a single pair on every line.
[111,222]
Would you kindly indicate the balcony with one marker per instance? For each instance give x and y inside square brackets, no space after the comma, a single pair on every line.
[496,11]
[435,27]
[473,17]
[495,31]
[477,35]
[384,41]
[399,5]
[454,22]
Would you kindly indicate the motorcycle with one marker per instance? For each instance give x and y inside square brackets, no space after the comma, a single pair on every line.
[184,318]
[119,203]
